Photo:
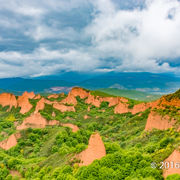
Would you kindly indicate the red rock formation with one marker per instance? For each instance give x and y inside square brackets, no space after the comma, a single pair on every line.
[139,108]
[10,142]
[121,108]
[72,126]
[172,102]
[53,123]
[55,96]
[63,108]
[7,99]
[36,121]
[113,100]
[156,121]
[175,158]
[70,99]
[33,121]
[95,150]
[38,96]
[23,102]
[30,95]
[40,105]
[93,100]
[76,91]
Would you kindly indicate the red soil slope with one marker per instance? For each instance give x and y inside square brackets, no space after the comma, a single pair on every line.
[175,158]
[155,120]
[95,150]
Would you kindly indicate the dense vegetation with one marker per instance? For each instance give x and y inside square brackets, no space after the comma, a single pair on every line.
[48,153]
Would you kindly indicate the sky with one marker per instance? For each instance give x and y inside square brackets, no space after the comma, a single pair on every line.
[49,37]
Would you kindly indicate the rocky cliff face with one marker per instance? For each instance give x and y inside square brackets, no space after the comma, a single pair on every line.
[95,150]
[173,169]
[157,121]
[7,99]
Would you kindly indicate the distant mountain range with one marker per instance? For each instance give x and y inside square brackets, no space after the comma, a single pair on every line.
[144,82]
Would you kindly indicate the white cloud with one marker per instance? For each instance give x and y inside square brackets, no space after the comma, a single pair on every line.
[43,61]
[139,38]
[121,40]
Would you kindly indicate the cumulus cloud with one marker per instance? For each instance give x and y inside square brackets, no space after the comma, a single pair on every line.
[93,36]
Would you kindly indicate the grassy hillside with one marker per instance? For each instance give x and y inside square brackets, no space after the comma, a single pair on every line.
[47,153]
[132,94]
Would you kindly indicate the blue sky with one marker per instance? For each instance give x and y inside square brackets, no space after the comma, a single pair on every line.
[46,37]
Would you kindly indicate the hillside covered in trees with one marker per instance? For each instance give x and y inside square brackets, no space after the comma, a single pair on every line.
[89,135]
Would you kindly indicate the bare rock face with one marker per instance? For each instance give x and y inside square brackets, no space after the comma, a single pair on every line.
[140,108]
[121,108]
[38,96]
[175,158]
[30,95]
[33,121]
[7,99]
[156,121]
[63,108]
[93,100]
[70,99]
[72,126]
[10,142]
[23,102]
[55,96]
[113,100]
[95,150]
[40,105]
[36,121]
[76,91]
[53,123]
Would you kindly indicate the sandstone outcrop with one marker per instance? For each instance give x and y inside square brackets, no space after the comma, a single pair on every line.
[7,99]
[10,142]
[157,121]
[77,91]
[63,108]
[36,121]
[55,96]
[93,100]
[175,158]
[121,108]
[70,99]
[40,105]
[38,96]
[72,126]
[95,150]
[23,102]
[30,95]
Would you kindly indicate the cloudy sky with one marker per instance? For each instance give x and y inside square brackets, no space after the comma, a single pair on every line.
[47,37]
